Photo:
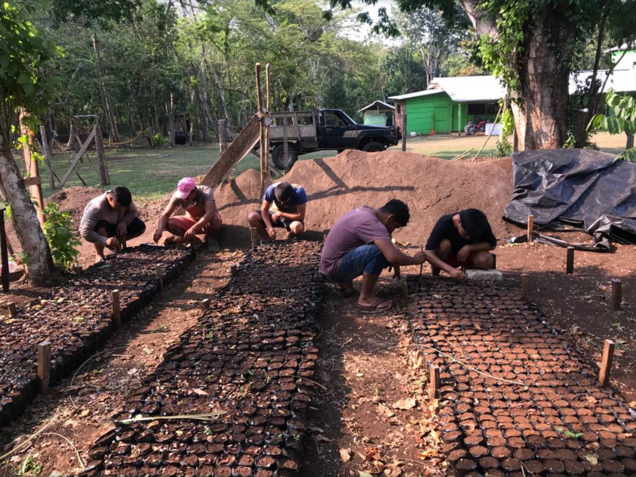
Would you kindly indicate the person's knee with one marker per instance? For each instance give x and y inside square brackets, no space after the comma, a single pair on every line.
[102,231]
[297,228]
[174,228]
[254,219]
[483,261]
[444,249]
[377,257]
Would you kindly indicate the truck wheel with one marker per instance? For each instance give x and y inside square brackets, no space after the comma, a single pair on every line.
[374,147]
[278,159]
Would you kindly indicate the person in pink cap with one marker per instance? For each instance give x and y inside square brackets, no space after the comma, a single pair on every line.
[201,217]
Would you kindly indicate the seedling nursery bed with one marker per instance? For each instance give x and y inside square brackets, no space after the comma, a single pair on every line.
[77,319]
[515,399]
[230,398]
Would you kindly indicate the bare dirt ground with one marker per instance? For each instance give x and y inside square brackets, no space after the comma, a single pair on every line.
[80,408]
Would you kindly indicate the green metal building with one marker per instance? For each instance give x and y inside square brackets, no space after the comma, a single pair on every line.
[448,104]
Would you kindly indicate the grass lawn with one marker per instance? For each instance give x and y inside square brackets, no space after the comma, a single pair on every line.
[152,173]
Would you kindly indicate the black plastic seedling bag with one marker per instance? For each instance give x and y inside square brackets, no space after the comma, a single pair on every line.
[582,188]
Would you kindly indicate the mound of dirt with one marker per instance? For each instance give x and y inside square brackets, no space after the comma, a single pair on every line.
[431,187]
[74,200]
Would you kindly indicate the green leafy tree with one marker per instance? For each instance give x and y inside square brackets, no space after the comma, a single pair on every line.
[403,72]
[620,120]
[58,228]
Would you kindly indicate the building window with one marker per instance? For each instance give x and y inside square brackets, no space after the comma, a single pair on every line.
[476,109]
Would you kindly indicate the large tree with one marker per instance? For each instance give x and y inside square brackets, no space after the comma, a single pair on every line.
[531,45]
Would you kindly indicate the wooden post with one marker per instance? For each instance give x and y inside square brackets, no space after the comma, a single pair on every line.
[159,281]
[606,364]
[404,128]
[530,227]
[233,270]
[617,294]
[205,304]
[266,120]
[253,237]
[435,382]
[13,311]
[525,285]
[44,366]
[101,158]
[47,156]
[285,143]
[569,263]
[116,310]
[78,157]
[32,169]
[222,136]
[261,121]
[4,252]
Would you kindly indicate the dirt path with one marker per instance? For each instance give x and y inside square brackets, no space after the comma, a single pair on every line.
[81,410]
[372,413]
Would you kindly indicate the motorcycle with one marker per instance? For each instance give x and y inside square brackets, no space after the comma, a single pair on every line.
[474,127]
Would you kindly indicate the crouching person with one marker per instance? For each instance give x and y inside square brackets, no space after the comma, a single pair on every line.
[360,244]
[284,205]
[109,219]
[463,239]
[201,215]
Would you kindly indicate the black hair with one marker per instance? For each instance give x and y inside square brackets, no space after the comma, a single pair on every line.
[398,209]
[283,191]
[474,222]
[122,195]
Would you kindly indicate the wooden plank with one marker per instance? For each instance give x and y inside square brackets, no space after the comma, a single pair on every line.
[530,230]
[47,156]
[116,309]
[78,157]
[101,157]
[404,130]
[606,364]
[435,382]
[525,285]
[205,304]
[13,311]
[233,270]
[253,237]
[44,366]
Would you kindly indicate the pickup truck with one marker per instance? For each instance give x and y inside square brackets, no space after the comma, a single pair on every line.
[293,133]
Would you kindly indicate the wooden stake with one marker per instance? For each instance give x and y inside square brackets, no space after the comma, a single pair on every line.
[435,382]
[12,309]
[530,227]
[47,156]
[159,281]
[404,129]
[44,366]
[253,236]
[101,157]
[233,270]
[606,364]
[525,285]
[116,310]
[205,304]
[569,263]
[268,93]
[617,294]
[123,243]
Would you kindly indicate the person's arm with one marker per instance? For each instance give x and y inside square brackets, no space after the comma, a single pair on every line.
[210,212]
[397,258]
[163,220]
[299,215]
[87,228]
[437,262]
[466,250]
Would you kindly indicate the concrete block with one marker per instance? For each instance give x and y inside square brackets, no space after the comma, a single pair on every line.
[484,275]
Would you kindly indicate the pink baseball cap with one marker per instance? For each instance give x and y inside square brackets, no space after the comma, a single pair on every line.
[185,187]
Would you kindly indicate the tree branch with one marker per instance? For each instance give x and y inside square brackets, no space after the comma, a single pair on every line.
[480,19]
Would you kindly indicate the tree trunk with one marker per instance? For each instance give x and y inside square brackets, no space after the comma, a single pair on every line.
[630,142]
[543,79]
[26,224]
[110,109]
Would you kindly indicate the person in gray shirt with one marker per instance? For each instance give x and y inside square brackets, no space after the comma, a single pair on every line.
[108,219]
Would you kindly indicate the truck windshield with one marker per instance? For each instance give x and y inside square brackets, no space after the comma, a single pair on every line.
[347,116]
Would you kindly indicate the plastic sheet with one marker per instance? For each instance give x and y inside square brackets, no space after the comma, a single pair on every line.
[579,187]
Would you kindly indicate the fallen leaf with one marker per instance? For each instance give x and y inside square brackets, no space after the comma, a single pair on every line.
[385,411]
[85,413]
[428,453]
[592,459]
[364,474]
[200,392]
[405,404]
[345,455]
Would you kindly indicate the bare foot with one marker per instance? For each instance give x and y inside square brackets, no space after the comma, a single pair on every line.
[99,258]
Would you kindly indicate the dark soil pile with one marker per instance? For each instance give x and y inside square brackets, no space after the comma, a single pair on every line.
[431,187]
[74,200]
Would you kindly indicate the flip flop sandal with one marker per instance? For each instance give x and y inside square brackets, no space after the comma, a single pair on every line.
[375,308]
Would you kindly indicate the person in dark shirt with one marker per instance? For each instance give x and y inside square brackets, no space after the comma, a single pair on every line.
[462,239]
[284,205]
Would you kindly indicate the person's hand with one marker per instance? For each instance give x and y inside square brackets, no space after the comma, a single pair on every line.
[157,236]
[420,257]
[271,232]
[463,254]
[190,233]
[120,230]
[457,274]
[112,243]
[276,216]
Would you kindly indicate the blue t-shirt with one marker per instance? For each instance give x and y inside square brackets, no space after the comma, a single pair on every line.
[299,197]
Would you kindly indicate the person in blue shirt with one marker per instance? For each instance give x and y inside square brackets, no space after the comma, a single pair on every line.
[284,205]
